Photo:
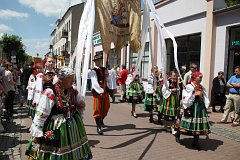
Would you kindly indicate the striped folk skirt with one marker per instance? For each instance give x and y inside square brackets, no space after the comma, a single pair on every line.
[150,102]
[31,109]
[73,140]
[197,123]
[169,108]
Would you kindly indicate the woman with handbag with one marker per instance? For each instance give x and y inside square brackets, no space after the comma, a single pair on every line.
[195,102]
[57,127]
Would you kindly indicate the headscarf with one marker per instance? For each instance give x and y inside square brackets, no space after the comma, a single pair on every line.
[194,76]
[63,73]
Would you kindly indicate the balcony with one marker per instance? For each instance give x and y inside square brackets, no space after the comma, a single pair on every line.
[64,34]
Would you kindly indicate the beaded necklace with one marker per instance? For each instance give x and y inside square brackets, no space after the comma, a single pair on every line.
[69,98]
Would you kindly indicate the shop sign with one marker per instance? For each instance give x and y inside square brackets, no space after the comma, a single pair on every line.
[97,39]
[235,43]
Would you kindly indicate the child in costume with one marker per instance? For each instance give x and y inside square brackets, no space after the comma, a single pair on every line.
[169,107]
[134,94]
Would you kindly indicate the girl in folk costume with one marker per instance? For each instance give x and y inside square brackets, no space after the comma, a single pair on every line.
[159,97]
[195,103]
[134,94]
[150,102]
[169,107]
[32,89]
[57,126]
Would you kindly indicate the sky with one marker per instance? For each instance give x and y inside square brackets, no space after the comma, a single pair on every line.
[33,21]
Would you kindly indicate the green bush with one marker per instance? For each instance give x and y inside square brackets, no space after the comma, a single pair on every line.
[232,2]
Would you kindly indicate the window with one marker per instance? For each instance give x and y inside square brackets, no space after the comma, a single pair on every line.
[234,50]
[189,49]
[144,63]
[114,58]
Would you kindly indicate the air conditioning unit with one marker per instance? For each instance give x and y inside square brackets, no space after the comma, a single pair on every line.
[64,34]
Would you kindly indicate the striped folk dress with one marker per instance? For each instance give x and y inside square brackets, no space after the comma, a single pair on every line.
[169,108]
[197,122]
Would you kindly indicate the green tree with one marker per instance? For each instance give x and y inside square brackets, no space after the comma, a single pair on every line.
[232,2]
[11,44]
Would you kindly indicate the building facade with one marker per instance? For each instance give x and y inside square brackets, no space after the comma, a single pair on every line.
[206,31]
[65,35]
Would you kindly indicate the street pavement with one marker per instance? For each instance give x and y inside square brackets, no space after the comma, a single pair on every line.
[126,137]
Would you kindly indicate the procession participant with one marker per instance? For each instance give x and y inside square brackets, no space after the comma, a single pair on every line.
[195,102]
[112,84]
[134,94]
[101,103]
[169,107]
[57,126]
[159,97]
[31,89]
[150,98]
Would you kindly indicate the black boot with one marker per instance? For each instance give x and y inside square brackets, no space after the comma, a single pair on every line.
[222,110]
[102,124]
[98,123]
[213,109]
[195,142]
[151,118]
[159,119]
[177,137]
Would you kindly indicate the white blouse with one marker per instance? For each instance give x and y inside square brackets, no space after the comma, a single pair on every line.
[43,111]
[31,87]
[95,84]
[188,96]
[38,88]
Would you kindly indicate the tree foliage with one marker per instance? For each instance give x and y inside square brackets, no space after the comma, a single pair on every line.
[13,43]
[232,2]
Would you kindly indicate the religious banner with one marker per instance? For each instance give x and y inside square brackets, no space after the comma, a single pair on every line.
[120,22]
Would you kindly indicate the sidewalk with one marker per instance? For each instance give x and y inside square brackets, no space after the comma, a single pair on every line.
[126,137]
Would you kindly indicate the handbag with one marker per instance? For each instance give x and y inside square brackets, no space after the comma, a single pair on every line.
[188,112]
[51,137]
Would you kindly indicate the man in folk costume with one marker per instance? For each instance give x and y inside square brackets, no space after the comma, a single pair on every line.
[100,94]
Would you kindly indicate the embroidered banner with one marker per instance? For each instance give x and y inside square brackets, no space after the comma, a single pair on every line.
[120,22]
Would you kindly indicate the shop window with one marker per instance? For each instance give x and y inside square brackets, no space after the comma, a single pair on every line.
[114,58]
[189,49]
[234,50]
[144,63]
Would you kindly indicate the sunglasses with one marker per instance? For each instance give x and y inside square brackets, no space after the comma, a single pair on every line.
[194,67]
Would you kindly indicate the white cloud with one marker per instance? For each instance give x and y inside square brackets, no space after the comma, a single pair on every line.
[51,25]
[8,14]
[5,28]
[50,7]
[34,46]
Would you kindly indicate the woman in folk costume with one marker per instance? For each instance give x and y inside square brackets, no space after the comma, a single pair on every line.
[57,126]
[100,93]
[195,102]
[134,94]
[32,88]
[159,97]
[169,107]
[150,102]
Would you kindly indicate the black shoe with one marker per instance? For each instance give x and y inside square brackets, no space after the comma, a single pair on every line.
[113,99]
[214,110]
[150,120]
[122,100]
[177,137]
[99,131]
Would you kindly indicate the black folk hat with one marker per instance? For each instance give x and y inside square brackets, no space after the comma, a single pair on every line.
[97,56]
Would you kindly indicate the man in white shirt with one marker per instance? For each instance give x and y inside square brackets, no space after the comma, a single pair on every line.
[112,83]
